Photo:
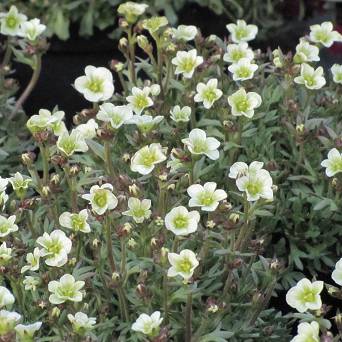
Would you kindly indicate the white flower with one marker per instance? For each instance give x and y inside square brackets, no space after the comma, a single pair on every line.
[45,120]
[307,332]
[66,289]
[153,24]
[148,325]
[186,62]
[138,210]
[333,164]
[205,196]
[101,198]
[5,254]
[179,114]
[154,89]
[88,130]
[3,195]
[7,225]
[145,160]
[32,29]
[3,184]
[324,34]
[81,323]
[235,52]
[243,103]
[10,22]
[71,143]
[33,261]
[305,52]
[241,32]
[96,85]
[243,69]
[115,115]
[139,100]
[198,143]
[56,247]
[305,295]
[132,10]
[337,273]
[182,222]
[6,297]
[182,264]
[208,93]
[255,181]
[31,283]
[25,332]
[311,78]
[8,320]
[184,32]
[336,71]
[20,183]
[76,222]
[146,123]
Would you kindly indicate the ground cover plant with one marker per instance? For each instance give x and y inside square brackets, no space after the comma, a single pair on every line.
[203,180]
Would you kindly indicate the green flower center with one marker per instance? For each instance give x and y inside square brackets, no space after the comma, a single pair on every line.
[338,77]
[66,291]
[242,104]
[240,33]
[181,222]
[100,198]
[243,72]
[140,101]
[310,80]
[54,247]
[4,228]
[236,55]
[336,164]
[210,95]
[11,22]
[322,36]
[95,85]
[138,212]
[184,266]
[200,146]
[308,296]
[148,158]
[254,187]
[206,198]
[187,64]
[68,145]
[116,119]
[77,222]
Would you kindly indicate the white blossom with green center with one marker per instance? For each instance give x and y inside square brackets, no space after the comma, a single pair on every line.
[6,297]
[305,295]
[101,198]
[47,120]
[153,24]
[148,325]
[97,84]
[145,160]
[55,247]
[31,283]
[206,196]
[139,210]
[182,264]
[77,222]
[243,103]
[310,77]
[10,22]
[7,225]
[307,332]
[337,273]
[208,93]
[32,260]
[115,115]
[179,114]
[3,195]
[71,143]
[132,10]
[182,222]
[241,32]
[88,129]
[8,320]
[146,123]
[198,143]
[324,34]
[5,254]
[31,29]
[184,33]
[305,52]
[243,70]
[186,62]
[333,164]
[66,289]
[336,71]
[20,184]
[25,332]
[235,52]
[139,100]
[81,323]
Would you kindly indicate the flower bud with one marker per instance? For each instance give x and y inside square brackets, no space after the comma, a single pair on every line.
[210,224]
[131,243]
[115,276]
[55,312]
[126,157]
[74,170]
[46,191]
[300,128]
[95,243]
[116,65]
[123,43]
[134,190]
[28,158]
[234,217]
[55,179]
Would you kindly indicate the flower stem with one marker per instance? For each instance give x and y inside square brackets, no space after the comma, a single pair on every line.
[188,317]
[45,159]
[109,245]
[131,55]
[108,160]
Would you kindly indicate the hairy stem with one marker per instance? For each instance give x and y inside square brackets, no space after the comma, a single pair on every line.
[188,318]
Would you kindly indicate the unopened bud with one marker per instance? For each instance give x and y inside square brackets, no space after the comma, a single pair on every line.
[28,158]
[115,276]
[55,312]
[126,157]
[46,191]
[163,177]
[123,43]
[300,128]
[134,190]
[234,217]
[210,224]
[131,243]
[72,262]
[55,179]
[95,242]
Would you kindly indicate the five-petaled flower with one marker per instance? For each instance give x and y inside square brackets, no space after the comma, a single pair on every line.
[139,100]
[7,225]
[81,323]
[182,264]
[68,144]
[148,325]
[77,222]
[243,70]
[182,222]
[186,62]
[184,32]
[333,164]
[307,332]
[179,114]
[324,34]
[138,209]
[116,116]
[208,93]
[243,103]
[336,71]
[10,22]
[337,273]
[310,77]
[241,32]
[235,52]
